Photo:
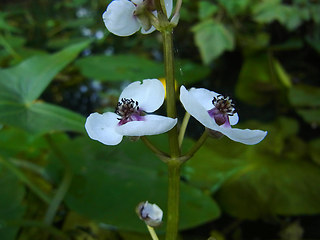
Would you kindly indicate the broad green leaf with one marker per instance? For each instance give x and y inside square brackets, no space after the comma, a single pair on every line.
[314,39]
[206,9]
[11,208]
[259,181]
[40,117]
[187,72]
[29,79]
[119,68]
[260,78]
[109,182]
[314,12]
[314,149]
[291,16]
[136,68]
[235,7]
[268,10]
[272,185]
[251,43]
[23,84]
[4,25]
[212,39]
[304,96]
[306,101]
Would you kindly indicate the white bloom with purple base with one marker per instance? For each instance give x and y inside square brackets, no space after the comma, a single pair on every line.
[131,118]
[218,114]
[121,17]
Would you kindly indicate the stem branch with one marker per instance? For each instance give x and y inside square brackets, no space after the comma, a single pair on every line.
[183,128]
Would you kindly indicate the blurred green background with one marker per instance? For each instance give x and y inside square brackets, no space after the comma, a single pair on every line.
[59,63]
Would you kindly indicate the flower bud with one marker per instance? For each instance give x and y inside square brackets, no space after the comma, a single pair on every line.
[150,213]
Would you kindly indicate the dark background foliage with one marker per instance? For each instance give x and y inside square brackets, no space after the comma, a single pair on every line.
[59,63]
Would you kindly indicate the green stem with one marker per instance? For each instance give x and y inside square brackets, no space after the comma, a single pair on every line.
[22,177]
[153,148]
[183,127]
[173,199]
[170,89]
[30,166]
[64,186]
[163,7]
[152,233]
[197,145]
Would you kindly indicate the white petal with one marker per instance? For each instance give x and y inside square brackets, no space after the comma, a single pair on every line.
[204,97]
[101,127]
[119,18]
[168,4]
[149,31]
[152,211]
[234,119]
[245,136]
[149,94]
[152,125]
[191,102]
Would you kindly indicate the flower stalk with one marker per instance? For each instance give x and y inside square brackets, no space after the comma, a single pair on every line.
[174,163]
[152,233]
[173,199]
[170,90]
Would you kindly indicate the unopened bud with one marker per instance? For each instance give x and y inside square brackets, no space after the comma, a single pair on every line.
[150,213]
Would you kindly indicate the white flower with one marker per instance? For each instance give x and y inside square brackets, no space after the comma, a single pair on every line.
[121,17]
[150,213]
[130,118]
[218,114]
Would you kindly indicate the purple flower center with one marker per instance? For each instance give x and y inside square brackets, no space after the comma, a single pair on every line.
[128,110]
[223,108]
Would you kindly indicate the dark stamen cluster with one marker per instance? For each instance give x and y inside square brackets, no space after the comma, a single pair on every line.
[126,107]
[224,105]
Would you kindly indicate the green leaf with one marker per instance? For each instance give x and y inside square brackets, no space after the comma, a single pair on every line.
[40,117]
[119,68]
[212,39]
[314,39]
[314,12]
[11,208]
[282,74]
[206,9]
[136,68]
[292,16]
[23,84]
[314,149]
[304,96]
[187,72]
[260,78]
[259,181]
[111,181]
[306,100]
[4,25]
[29,79]
[272,185]
[253,42]
[235,7]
